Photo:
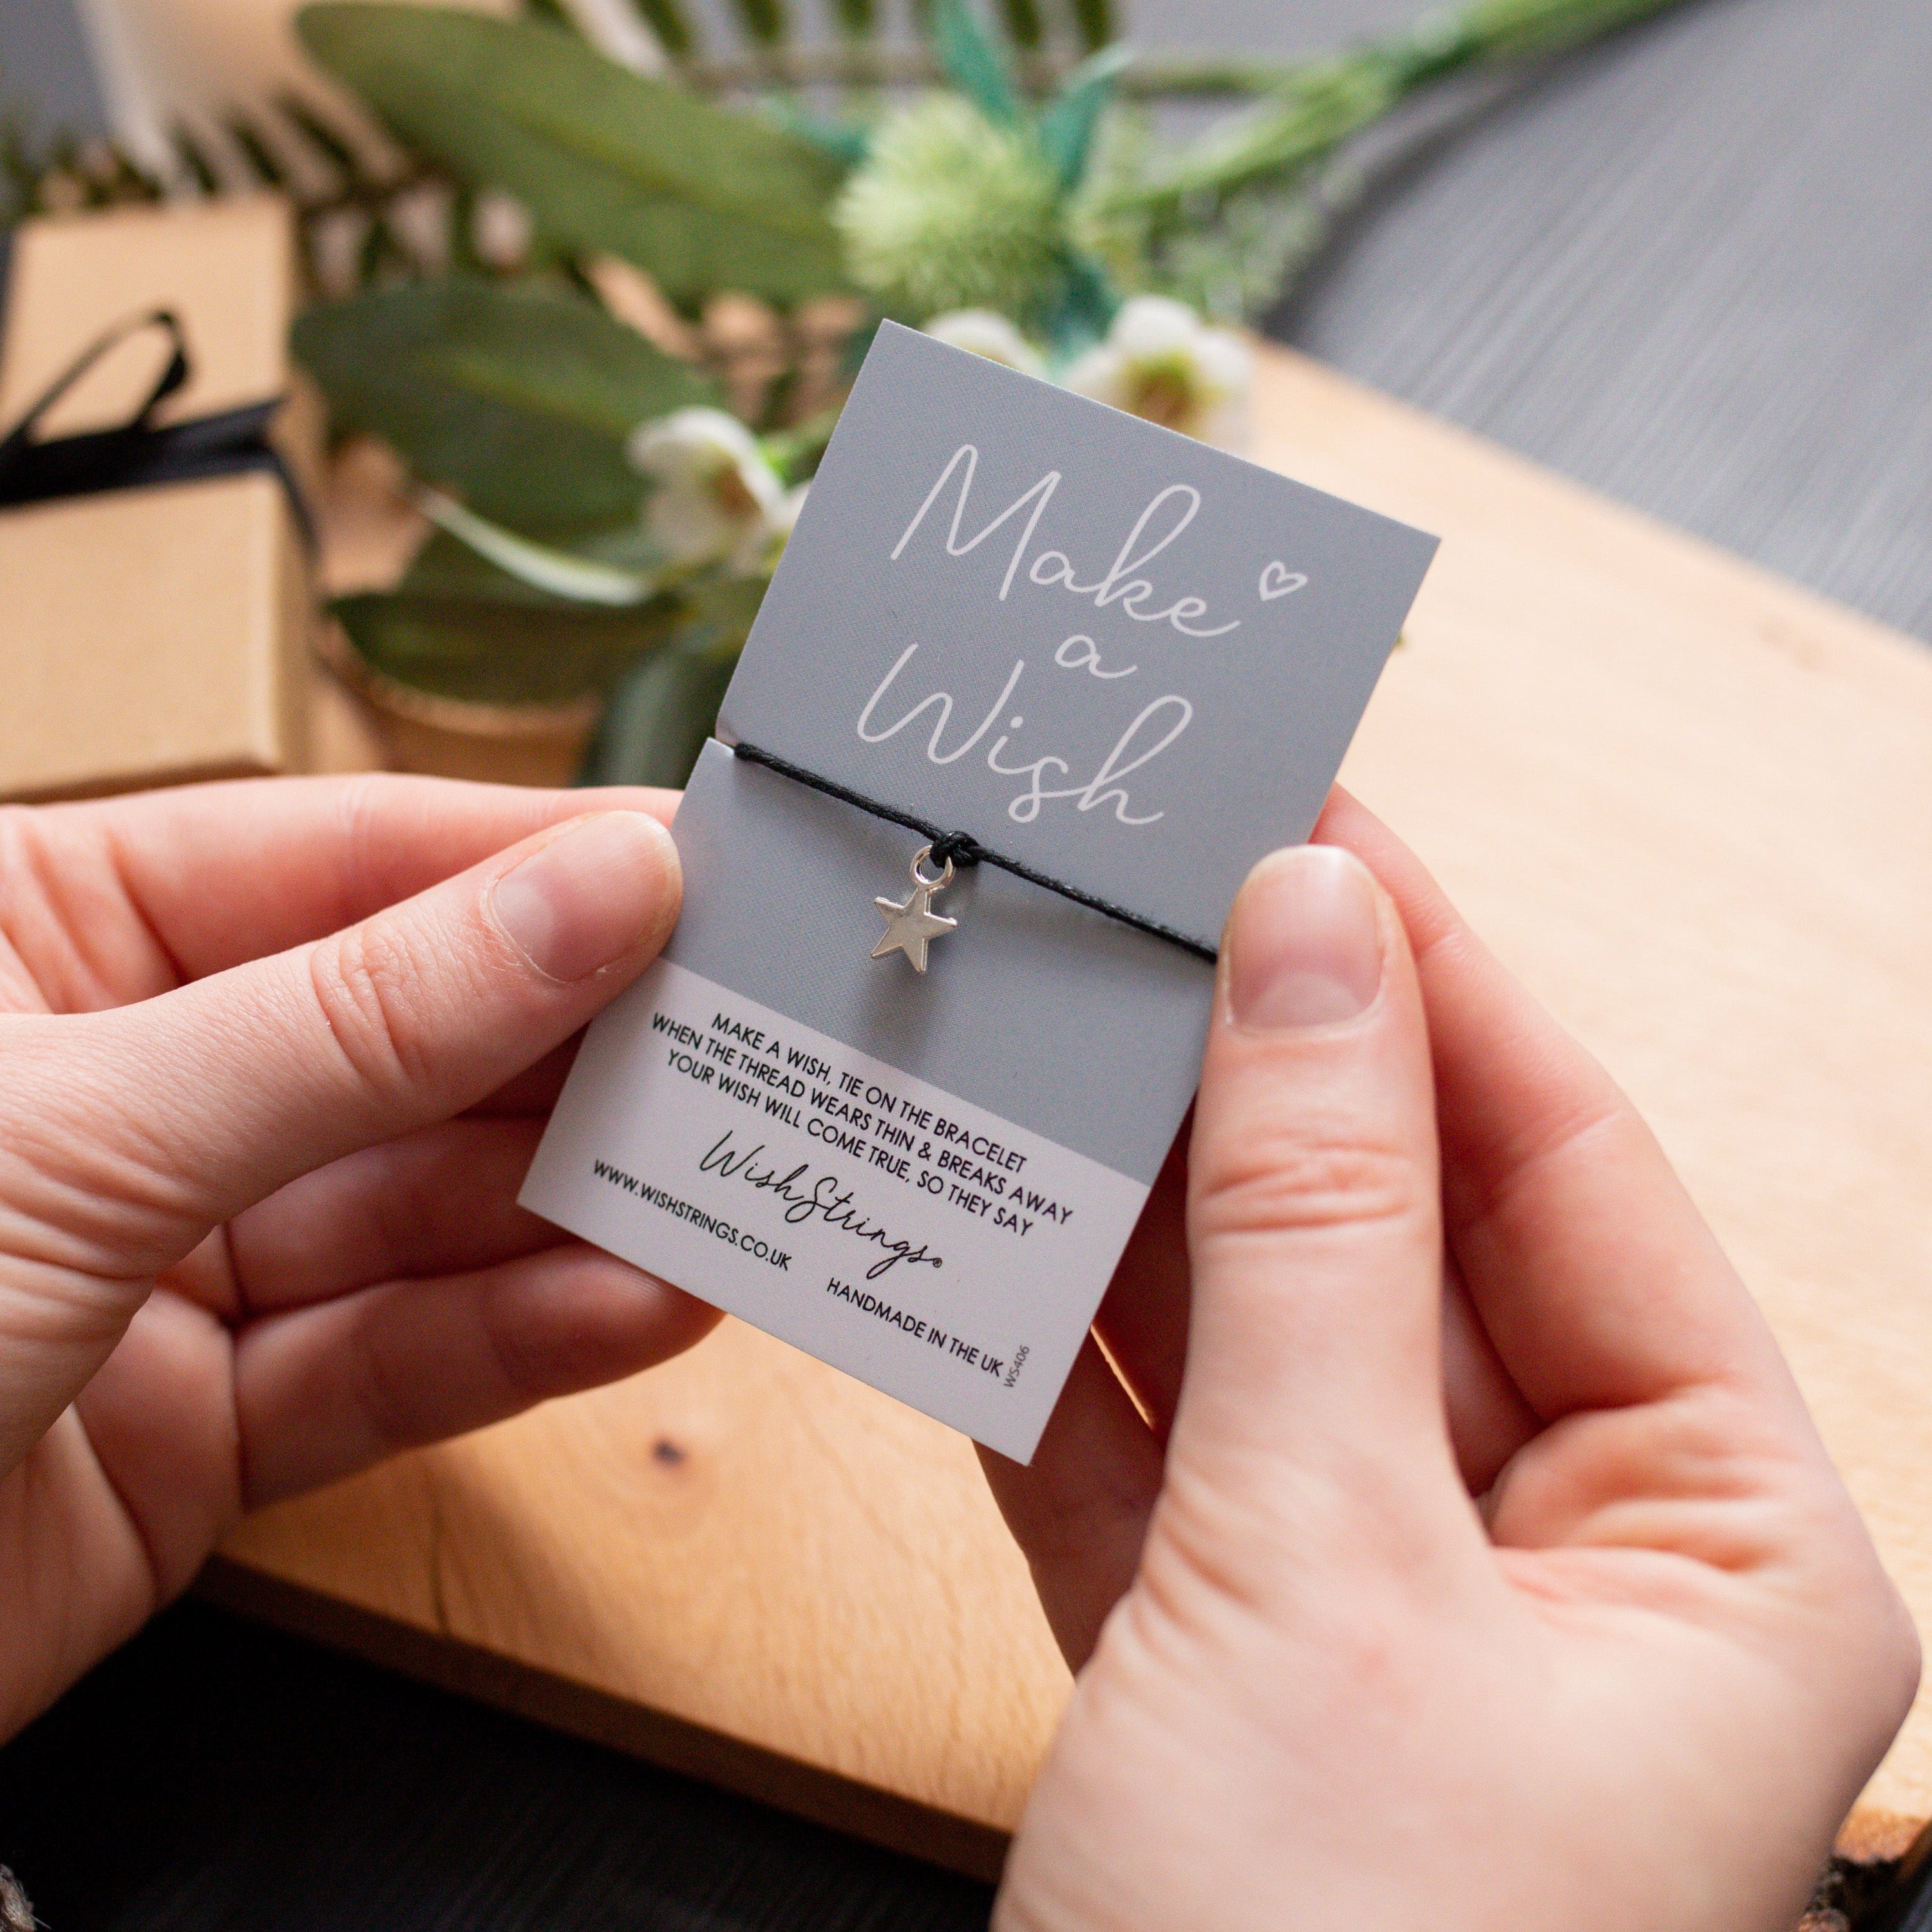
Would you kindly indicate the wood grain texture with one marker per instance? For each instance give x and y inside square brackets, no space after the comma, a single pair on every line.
[1690,805]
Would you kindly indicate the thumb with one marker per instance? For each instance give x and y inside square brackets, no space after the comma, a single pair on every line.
[1311,1406]
[204,1100]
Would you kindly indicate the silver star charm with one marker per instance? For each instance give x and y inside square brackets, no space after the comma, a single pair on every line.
[911,924]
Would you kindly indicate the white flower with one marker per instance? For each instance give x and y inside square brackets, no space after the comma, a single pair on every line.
[759,557]
[1162,361]
[986,333]
[716,498]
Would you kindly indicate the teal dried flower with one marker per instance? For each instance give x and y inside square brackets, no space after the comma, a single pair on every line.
[951,211]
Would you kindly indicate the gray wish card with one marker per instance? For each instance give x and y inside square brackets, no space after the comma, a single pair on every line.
[1120,658]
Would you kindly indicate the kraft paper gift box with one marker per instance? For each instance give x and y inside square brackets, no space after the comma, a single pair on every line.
[158,633]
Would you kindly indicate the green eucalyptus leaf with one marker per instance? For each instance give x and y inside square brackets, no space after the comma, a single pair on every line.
[499,652]
[661,712]
[720,613]
[974,62]
[518,400]
[703,197]
[657,717]
[848,142]
[1085,307]
[1067,127]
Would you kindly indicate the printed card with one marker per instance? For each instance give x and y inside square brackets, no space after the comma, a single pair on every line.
[1127,663]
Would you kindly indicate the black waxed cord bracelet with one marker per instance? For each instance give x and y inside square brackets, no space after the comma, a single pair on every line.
[962,848]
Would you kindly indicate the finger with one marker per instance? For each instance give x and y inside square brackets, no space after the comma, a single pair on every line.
[533,1092]
[321,1392]
[1143,1326]
[161,1428]
[1489,1419]
[292,859]
[441,1201]
[1589,1266]
[128,1134]
[188,1108]
[1142,1323]
[1313,1406]
[1079,1513]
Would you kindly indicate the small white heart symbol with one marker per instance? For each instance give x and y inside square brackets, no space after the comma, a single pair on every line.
[1277,580]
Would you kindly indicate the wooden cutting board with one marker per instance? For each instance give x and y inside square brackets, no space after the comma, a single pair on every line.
[1690,806]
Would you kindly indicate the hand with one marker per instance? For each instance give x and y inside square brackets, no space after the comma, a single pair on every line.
[1477,1564]
[275,1063]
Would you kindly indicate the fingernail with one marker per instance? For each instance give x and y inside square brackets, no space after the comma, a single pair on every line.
[589,896]
[1304,941]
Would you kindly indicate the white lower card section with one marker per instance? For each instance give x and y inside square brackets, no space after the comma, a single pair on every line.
[945,1256]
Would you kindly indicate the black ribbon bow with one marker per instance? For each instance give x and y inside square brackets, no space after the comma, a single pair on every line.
[140,452]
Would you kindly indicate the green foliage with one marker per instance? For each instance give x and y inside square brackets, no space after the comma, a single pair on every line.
[1225,220]
[1519,29]
[663,709]
[699,197]
[1024,187]
[953,210]
[1240,266]
[1068,125]
[967,199]
[517,400]
[495,654]
[1320,106]
[975,62]
[459,628]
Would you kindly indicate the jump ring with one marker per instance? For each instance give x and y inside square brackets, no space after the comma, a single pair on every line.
[919,877]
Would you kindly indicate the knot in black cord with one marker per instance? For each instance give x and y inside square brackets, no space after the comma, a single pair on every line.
[139,453]
[957,848]
[962,848]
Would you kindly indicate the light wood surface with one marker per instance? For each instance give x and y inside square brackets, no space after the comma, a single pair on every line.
[1690,806]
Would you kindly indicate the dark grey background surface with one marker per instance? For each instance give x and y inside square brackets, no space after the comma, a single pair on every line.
[1692,268]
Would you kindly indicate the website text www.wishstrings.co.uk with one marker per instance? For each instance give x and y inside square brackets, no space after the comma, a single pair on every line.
[753,1245]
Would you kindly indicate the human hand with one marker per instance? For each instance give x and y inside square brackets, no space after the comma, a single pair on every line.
[1476,1563]
[277,1055]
